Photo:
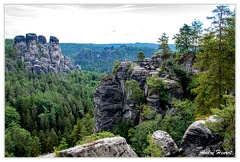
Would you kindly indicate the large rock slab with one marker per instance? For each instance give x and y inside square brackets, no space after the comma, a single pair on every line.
[107,147]
[169,147]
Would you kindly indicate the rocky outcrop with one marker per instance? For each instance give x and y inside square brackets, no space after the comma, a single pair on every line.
[187,62]
[168,145]
[107,147]
[199,140]
[40,57]
[108,99]
[112,102]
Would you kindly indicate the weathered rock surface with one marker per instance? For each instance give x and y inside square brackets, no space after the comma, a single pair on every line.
[108,99]
[199,140]
[112,102]
[187,62]
[169,147]
[40,57]
[107,147]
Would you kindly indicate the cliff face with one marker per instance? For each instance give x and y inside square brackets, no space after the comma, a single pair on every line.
[112,102]
[40,57]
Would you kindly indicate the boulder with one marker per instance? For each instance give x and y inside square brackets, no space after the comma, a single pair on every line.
[168,145]
[107,147]
[42,39]
[31,37]
[199,140]
[53,39]
[19,38]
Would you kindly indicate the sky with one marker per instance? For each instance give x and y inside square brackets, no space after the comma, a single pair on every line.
[103,23]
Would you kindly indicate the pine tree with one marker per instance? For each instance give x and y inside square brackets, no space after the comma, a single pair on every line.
[164,45]
[141,56]
[196,33]
[35,147]
[216,60]
[183,40]
[226,125]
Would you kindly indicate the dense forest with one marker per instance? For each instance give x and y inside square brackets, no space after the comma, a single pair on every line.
[51,112]
[45,110]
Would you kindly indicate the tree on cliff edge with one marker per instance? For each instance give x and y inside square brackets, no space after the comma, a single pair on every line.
[164,45]
[141,56]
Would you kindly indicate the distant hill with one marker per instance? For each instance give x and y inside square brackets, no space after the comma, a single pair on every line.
[101,57]
[73,48]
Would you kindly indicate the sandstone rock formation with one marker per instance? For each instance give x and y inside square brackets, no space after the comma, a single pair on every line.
[112,102]
[169,147]
[40,57]
[107,147]
[187,62]
[199,140]
[108,105]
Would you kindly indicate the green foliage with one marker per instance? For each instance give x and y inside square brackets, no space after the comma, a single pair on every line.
[130,69]
[177,121]
[83,127]
[183,39]
[187,39]
[153,149]
[11,60]
[35,147]
[10,51]
[183,76]
[121,128]
[140,56]
[49,105]
[17,141]
[164,47]
[225,126]
[115,67]
[159,87]
[216,60]
[177,73]
[134,91]
[94,137]
[63,145]
[138,136]
[196,34]
[11,115]
[147,113]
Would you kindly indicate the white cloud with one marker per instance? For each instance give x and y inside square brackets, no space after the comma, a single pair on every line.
[96,23]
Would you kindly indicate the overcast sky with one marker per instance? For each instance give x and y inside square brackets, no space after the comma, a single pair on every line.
[111,23]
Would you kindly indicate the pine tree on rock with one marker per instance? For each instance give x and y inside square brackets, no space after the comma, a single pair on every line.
[164,46]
